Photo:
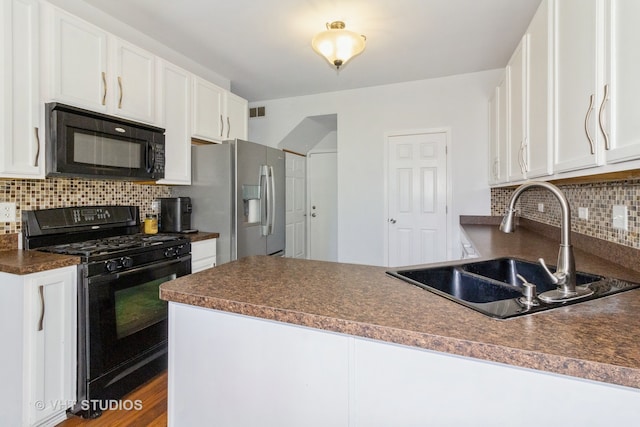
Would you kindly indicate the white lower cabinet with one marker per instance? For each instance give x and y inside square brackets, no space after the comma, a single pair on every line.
[38,363]
[236,371]
[203,255]
[232,370]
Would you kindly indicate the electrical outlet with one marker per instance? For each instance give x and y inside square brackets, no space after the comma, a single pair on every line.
[540,207]
[155,205]
[7,212]
[620,217]
[583,213]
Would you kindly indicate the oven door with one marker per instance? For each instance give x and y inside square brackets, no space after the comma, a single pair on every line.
[127,319]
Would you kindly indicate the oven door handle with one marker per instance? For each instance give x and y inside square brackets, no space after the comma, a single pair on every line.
[153,266]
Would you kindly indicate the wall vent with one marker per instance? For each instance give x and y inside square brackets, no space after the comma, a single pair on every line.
[257,112]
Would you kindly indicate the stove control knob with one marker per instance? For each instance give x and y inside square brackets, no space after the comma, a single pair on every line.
[170,252]
[126,262]
[111,265]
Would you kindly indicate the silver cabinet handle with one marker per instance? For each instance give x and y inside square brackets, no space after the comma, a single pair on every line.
[525,166]
[121,92]
[586,124]
[104,88]
[221,126]
[37,159]
[520,157]
[228,127]
[41,321]
[392,221]
[605,99]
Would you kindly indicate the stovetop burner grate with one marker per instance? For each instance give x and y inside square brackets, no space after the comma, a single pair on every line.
[110,244]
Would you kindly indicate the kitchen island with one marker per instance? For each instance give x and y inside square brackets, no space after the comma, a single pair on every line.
[276,341]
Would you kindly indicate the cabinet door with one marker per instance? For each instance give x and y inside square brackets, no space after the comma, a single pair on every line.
[518,96]
[498,134]
[236,125]
[620,104]
[51,326]
[20,154]
[133,82]
[79,70]
[503,140]
[207,119]
[203,255]
[174,109]
[577,55]
[540,139]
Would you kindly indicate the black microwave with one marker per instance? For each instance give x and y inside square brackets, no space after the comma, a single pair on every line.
[83,143]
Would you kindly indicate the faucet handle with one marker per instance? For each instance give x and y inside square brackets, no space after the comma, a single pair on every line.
[558,277]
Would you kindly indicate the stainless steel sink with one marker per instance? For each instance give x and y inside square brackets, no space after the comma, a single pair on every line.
[495,287]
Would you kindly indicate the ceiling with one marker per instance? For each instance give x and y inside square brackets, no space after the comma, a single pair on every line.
[263,46]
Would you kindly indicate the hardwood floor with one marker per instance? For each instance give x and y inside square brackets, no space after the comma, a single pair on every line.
[153,413]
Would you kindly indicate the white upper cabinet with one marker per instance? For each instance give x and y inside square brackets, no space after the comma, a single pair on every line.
[502,130]
[237,117]
[78,62]
[540,140]
[518,134]
[218,114]
[578,79]
[522,118]
[21,150]
[207,118]
[92,69]
[134,74]
[494,143]
[174,110]
[618,108]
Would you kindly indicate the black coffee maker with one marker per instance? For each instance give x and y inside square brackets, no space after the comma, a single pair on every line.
[175,215]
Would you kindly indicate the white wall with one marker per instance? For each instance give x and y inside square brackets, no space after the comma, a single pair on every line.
[364,117]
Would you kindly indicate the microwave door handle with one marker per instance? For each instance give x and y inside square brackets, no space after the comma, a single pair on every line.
[150,158]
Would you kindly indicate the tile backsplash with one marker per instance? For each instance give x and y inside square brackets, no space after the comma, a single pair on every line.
[598,198]
[31,194]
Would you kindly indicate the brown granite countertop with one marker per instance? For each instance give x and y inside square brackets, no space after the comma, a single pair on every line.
[16,261]
[202,235]
[596,340]
[25,262]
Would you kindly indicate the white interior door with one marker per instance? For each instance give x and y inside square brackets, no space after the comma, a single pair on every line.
[417,199]
[323,206]
[296,214]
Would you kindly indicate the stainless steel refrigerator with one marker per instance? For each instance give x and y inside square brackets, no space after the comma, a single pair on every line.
[238,190]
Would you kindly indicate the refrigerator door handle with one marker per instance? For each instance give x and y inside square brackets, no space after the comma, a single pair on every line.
[264,200]
[272,200]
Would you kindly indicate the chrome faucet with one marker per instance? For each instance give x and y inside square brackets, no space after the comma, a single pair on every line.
[565,274]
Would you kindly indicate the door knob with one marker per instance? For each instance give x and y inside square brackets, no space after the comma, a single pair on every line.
[392,221]
[314,215]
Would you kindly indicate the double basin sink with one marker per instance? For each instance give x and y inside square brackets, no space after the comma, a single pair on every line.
[494,287]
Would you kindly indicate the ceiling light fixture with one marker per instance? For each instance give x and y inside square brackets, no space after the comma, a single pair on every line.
[338,45]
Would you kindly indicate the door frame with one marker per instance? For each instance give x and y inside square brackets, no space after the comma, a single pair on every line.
[450,208]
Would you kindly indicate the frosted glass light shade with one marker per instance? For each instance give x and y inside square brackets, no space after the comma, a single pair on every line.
[338,45]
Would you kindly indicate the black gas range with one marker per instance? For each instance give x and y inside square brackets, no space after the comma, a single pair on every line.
[122,323]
